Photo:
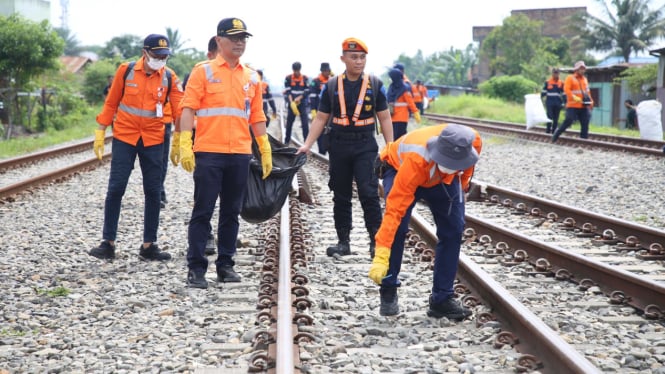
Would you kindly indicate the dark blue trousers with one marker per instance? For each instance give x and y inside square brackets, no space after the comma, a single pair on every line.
[165,158]
[446,202]
[224,176]
[122,164]
[304,122]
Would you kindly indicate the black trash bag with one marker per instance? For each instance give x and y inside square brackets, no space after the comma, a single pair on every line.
[264,197]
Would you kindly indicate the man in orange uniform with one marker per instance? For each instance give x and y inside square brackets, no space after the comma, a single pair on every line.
[268,100]
[436,164]
[578,102]
[553,93]
[135,107]
[225,97]
[420,95]
[400,102]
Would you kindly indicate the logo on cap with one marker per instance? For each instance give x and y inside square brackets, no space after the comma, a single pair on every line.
[163,43]
[237,24]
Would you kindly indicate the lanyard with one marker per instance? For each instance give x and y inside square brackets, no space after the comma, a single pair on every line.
[361,97]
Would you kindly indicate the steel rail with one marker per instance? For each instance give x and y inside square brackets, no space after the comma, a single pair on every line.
[556,355]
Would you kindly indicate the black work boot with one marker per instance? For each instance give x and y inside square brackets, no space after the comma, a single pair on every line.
[372,242]
[449,308]
[389,305]
[343,247]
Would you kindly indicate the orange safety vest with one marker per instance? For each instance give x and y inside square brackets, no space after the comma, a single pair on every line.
[419,93]
[226,101]
[576,85]
[134,113]
[402,106]
[409,156]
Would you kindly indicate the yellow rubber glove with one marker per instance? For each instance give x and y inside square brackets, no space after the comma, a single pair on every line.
[175,149]
[274,115]
[294,108]
[266,154]
[577,99]
[312,113]
[186,152]
[98,145]
[416,116]
[379,267]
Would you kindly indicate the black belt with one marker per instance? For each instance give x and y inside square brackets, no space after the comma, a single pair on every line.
[351,135]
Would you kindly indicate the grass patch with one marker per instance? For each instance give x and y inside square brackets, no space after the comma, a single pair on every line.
[54,292]
[494,109]
[79,126]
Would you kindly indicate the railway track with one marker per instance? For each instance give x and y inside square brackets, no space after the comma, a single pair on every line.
[533,297]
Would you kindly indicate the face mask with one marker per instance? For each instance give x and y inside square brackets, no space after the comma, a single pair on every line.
[446,170]
[155,63]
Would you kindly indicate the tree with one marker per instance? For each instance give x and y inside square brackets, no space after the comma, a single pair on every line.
[629,29]
[513,43]
[27,49]
[125,46]
[451,67]
[72,45]
[174,39]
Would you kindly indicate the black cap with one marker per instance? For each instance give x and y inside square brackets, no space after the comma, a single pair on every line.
[325,66]
[296,66]
[157,44]
[231,26]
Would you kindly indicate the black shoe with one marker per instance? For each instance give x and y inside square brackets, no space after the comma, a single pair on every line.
[162,204]
[389,305]
[153,253]
[196,280]
[211,247]
[104,251]
[227,274]
[450,308]
[555,137]
[341,249]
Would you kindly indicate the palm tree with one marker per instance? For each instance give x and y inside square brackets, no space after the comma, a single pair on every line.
[174,38]
[631,27]
[72,45]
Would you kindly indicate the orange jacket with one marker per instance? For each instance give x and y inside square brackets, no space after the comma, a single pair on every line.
[402,106]
[134,114]
[419,92]
[226,101]
[409,156]
[576,85]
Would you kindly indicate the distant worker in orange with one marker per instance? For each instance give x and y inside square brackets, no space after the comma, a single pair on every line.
[296,91]
[553,92]
[578,102]
[400,102]
[420,95]
[135,107]
[268,100]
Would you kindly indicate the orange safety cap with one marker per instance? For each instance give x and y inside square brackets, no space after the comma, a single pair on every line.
[354,45]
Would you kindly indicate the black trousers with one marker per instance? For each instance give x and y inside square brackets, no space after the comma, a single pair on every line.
[553,112]
[352,158]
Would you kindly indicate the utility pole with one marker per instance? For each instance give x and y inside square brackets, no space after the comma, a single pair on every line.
[64,14]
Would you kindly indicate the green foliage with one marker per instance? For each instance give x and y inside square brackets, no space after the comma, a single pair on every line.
[125,47]
[513,43]
[72,45]
[27,49]
[54,292]
[95,79]
[639,79]
[451,67]
[630,27]
[510,88]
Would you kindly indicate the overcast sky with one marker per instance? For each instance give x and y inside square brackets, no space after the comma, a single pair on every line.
[307,31]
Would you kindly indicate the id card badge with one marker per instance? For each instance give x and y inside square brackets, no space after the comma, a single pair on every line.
[158,110]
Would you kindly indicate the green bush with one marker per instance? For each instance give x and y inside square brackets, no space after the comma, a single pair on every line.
[510,88]
[96,79]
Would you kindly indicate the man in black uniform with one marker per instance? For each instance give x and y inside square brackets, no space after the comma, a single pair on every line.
[295,94]
[314,92]
[353,106]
